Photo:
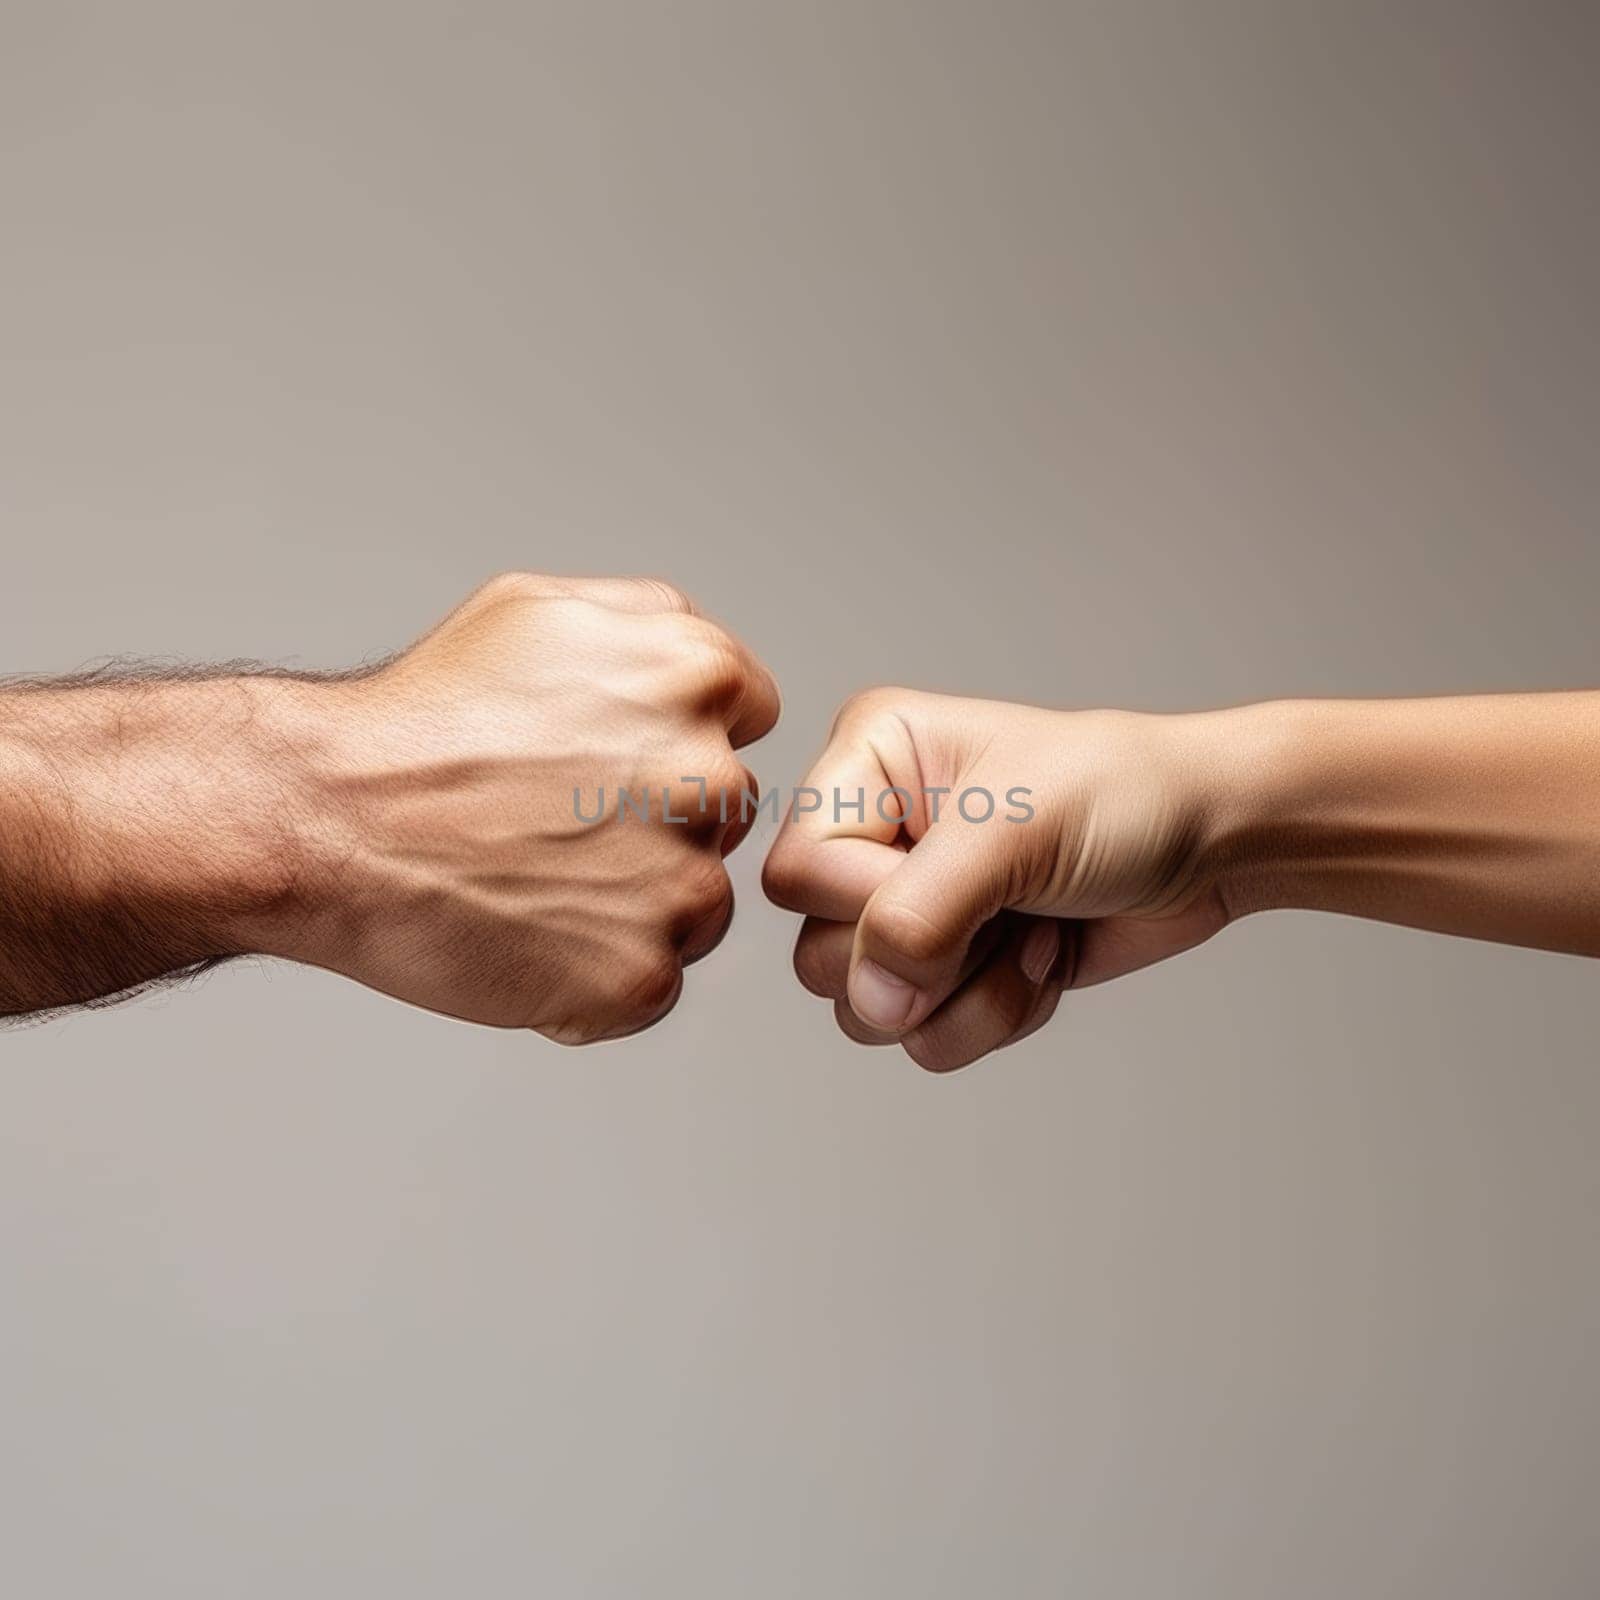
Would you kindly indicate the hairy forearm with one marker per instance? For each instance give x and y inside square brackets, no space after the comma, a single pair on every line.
[1475,815]
[408,824]
[144,827]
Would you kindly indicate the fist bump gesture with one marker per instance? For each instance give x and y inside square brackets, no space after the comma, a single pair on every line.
[522,820]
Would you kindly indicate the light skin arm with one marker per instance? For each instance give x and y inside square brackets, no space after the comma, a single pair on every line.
[1477,816]
[415,827]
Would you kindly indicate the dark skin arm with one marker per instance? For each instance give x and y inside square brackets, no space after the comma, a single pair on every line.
[412,827]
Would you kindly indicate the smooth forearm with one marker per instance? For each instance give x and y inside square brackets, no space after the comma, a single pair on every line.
[144,828]
[1477,815]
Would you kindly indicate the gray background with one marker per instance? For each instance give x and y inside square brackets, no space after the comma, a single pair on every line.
[1158,356]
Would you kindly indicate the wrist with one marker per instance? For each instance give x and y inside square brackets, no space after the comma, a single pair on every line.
[282,841]
[174,807]
[1255,769]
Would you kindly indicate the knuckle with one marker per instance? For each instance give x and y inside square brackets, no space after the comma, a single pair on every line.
[704,785]
[905,930]
[708,654]
[573,1031]
[622,992]
[706,917]
[726,775]
[784,879]
[813,969]
[931,1053]
[718,898]
[707,891]
[629,993]
[668,596]
[698,663]
[1040,1014]
[1023,1005]
[870,705]
[511,585]
[643,988]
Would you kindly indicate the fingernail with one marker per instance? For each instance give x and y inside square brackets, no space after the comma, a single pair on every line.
[879,998]
[1039,951]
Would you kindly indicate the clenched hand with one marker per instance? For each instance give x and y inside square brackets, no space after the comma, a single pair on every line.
[1038,850]
[1043,850]
[414,827]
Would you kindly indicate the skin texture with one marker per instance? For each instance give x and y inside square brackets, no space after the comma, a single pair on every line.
[411,827]
[1476,816]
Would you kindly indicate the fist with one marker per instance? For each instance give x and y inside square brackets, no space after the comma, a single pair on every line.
[474,857]
[961,862]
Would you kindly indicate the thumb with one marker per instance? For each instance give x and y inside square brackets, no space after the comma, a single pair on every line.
[913,933]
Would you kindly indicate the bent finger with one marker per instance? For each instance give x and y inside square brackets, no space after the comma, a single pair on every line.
[1013,992]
